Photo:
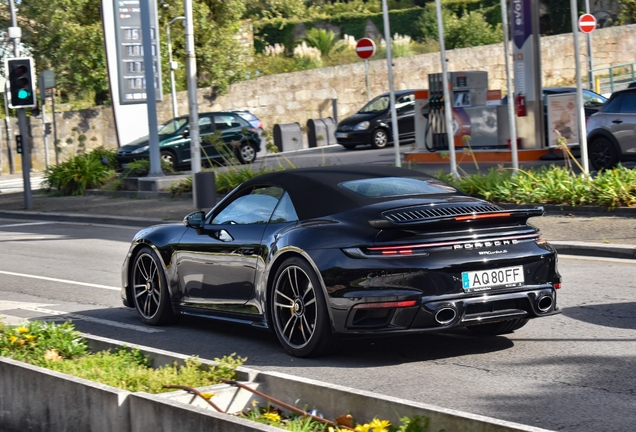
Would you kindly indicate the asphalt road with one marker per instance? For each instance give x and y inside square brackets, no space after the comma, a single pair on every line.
[572,372]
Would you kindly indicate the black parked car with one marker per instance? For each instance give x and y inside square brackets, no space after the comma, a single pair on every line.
[372,124]
[238,135]
[611,132]
[316,254]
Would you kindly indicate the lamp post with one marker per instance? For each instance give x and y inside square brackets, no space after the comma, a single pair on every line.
[173,66]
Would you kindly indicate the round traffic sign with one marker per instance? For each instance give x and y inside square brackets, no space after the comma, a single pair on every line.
[365,48]
[587,23]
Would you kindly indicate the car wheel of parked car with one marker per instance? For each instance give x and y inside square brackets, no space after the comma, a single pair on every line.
[603,154]
[169,157]
[150,289]
[502,327]
[299,310]
[246,153]
[380,139]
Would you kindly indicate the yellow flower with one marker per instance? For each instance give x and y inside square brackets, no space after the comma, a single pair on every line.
[362,428]
[22,330]
[380,425]
[254,402]
[207,396]
[30,337]
[12,339]
[272,416]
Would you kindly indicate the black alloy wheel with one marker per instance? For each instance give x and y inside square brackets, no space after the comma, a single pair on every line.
[380,139]
[602,154]
[168,157]
[246,153]
[149,288]
[299,311]
[498,328]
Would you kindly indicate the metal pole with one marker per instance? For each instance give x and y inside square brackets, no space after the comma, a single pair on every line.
[151,98]
[511,111]
[7,125]
[590,79]
[44,136]
[55,143]
[448,110]
[366,70]
[389,61]
[191,72]
[580,117]
[175,111]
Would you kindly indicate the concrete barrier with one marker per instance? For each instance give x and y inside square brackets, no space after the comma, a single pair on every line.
[40,400]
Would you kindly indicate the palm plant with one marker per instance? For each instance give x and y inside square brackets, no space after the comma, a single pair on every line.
[324,40]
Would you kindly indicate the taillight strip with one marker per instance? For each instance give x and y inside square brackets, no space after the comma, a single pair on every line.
[481,216]
[429,245]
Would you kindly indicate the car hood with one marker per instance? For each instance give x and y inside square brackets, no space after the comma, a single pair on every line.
[139,142]
[359,117]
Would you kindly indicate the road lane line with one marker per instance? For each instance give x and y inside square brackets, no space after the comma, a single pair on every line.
[60,280]
[91,319]
[24,224]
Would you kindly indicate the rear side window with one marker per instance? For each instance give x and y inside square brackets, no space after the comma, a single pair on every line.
[628,103]
[226,121]
[396,186]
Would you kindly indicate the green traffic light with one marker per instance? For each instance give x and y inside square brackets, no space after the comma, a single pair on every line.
[23,94]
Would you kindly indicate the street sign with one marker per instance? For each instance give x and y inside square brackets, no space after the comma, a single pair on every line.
[587,23]
[365,48]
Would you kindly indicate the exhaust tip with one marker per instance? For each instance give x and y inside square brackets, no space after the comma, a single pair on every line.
[445,315]
[544,303]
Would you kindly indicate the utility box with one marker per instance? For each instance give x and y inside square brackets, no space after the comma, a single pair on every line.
[321,132]
[288,137]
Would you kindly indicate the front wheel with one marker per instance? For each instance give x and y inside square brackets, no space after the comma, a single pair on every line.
[603,154]
[169,158]
[497,328]
[380,139]
[150,289]
[299,311]
[246,153]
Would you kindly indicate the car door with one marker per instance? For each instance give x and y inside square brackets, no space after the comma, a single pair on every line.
[231,132]
[620,119]
[217,264]
[404,107]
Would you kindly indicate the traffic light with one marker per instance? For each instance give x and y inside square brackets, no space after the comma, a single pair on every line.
[18,143]
[21,82]
[47,128]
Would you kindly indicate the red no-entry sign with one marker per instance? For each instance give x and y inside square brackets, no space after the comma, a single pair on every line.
[587,23]
[365,48]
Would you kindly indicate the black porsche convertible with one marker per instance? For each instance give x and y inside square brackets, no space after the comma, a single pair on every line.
[319,254]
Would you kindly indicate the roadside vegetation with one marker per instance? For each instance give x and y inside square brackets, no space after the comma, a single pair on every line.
[61,348]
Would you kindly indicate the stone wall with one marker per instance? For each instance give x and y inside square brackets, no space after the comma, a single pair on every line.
[300,96]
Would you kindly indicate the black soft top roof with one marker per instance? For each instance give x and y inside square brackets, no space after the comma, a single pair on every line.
[315,191]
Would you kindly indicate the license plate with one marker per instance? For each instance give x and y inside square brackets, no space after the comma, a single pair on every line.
[341,135]
[490,279]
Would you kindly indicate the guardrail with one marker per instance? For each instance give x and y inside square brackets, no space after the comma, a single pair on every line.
[610,79]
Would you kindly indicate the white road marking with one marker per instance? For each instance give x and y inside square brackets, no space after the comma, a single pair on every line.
[23,224]
[36,307]
[61,280]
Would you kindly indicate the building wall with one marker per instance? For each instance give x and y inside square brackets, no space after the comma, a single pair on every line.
[300,96]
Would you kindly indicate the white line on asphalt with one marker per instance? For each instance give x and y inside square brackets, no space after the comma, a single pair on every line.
[95,320]
[24,224]
[60,280]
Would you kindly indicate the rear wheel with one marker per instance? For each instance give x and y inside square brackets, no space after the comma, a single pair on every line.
[603,154]
[150,289]
[497,328]
[246,153]
[299,311]
[380,139]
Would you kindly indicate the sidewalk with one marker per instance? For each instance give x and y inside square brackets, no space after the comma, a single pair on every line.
[582,231]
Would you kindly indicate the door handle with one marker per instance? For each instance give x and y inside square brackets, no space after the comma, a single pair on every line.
[617,121]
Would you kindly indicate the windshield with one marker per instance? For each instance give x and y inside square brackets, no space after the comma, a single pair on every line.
[172,126]
[396,186]
[591,98]
[381,103]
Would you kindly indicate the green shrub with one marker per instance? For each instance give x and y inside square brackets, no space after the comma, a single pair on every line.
[141,168]
[81,172]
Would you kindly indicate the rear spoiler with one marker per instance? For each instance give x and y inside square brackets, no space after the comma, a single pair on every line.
[523,214]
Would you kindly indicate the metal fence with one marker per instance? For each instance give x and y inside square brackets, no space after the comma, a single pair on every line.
[610,79]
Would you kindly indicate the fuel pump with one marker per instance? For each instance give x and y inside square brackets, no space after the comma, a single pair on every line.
[436,120]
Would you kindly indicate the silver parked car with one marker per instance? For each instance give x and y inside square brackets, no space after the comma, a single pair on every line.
[611,132]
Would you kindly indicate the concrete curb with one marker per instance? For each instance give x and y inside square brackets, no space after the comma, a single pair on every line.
[83,405]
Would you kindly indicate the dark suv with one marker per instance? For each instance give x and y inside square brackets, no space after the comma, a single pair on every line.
[237,135]
[611,132]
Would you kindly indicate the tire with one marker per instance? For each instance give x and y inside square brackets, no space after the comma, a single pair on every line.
[497,328]
[299,311]
[380,139]
[149,288]
[349,146]
[169,157]
[602,154]
[246,153]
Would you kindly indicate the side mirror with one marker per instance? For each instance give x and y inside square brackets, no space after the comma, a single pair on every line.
[195,220]
[185,133]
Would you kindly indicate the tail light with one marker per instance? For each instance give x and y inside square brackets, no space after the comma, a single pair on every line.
[260,124]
